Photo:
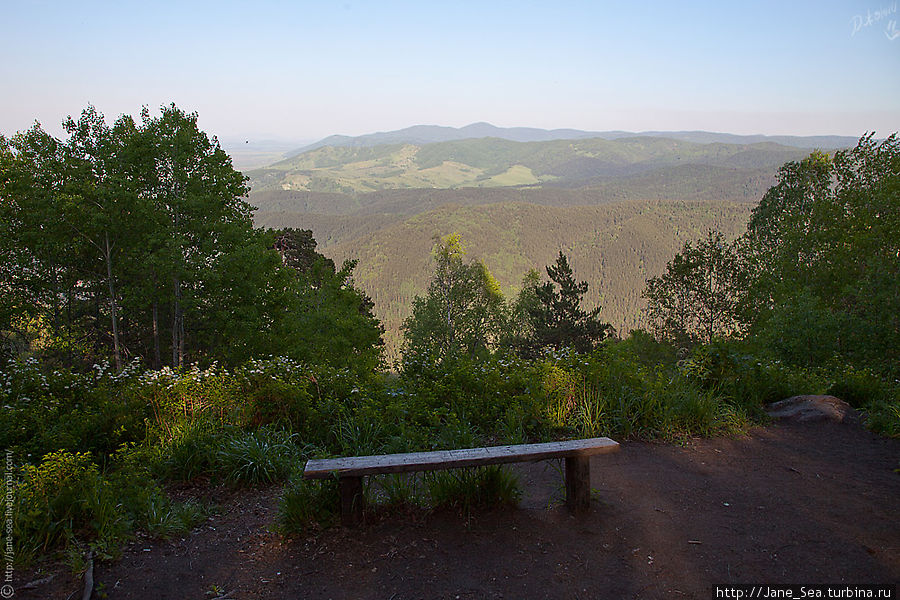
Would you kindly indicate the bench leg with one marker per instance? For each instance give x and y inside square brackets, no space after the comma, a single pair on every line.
[352,500]
[578,483]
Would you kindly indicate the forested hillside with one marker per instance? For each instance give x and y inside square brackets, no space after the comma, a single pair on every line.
[616,246]
[619,208]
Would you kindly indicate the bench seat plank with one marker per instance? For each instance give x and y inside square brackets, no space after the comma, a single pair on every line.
[356,466]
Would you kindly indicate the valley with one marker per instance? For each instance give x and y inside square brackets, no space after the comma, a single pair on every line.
[619,208]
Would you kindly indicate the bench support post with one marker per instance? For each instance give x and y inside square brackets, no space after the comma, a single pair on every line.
[578,483]
[352,500]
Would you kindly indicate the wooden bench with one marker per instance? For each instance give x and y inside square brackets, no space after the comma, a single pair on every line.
[351,470]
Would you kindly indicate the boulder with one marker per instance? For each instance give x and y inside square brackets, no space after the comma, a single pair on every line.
[807,408]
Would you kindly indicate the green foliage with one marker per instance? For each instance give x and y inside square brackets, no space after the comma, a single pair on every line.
[466,490]
[137,236]
[146,504]
[823,250]
[333,322]
[165,519]
[297,248]
[277,392]
[748,376]
[815,276]
[463,312]
[308,504]
[190,452]
[877,398]
[56,409]
[859,387]
[701,295]
[625,393]
[615,246]
[557,318]
[257,457]
[884,417]
[66,502]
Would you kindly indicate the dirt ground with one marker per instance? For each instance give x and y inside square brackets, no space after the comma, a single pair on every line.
[790,503]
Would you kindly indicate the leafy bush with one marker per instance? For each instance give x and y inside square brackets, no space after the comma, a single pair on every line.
[64,502]
[192,451]
[859,387]
[188,395]
[49,410]
[747,376]
[884,418]
[876,398]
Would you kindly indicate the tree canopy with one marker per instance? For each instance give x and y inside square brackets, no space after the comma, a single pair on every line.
[555,314]
[135,240]
[462,312]
[701,295]
[817,273]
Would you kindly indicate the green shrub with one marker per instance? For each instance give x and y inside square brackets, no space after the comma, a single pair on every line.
[274,400]
[191,452]
[308,504]
[876,398]
[643,351]
[65,502]
[741,373]
[859,387]
[263,456]
[48,410]
[883,418]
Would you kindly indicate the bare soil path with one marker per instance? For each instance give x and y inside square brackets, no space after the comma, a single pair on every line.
[802,504]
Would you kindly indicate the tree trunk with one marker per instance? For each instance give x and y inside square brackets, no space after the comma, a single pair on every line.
[113,305]
[157,359]
[177,325]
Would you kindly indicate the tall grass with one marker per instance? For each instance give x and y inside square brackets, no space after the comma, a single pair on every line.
[257,457]
[474,488]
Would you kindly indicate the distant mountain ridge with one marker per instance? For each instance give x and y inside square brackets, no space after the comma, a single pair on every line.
[429,134]
[497,162]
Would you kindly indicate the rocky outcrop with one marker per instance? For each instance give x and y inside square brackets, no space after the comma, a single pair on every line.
[803,409]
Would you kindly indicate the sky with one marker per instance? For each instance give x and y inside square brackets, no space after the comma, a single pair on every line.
[299,70]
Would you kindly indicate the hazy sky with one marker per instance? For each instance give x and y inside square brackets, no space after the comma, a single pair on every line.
[304,70]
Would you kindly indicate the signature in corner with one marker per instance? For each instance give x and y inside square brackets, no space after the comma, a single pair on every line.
[891,31]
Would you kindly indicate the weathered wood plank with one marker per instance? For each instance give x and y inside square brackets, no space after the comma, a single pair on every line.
[356,466]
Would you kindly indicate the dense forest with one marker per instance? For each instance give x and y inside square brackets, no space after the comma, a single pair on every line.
[153,335]
[620,208]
